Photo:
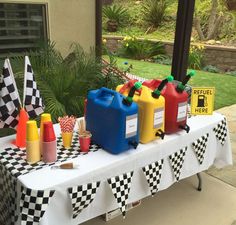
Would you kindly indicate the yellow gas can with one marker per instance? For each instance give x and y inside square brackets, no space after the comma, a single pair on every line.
[151,113]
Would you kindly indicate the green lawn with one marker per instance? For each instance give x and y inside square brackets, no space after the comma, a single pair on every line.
[225,85]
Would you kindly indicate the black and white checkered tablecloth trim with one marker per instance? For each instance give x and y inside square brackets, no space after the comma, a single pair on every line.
[199,147]
[33,204]
[8,196]
[153,174]
[81,196]
[14,159]
[177,160]
[120,186]
[221,131]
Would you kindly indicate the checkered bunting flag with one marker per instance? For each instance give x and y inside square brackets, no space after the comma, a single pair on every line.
[221,131]
[153,173]
[9,98]
[33,204]
[120,186]
[177,160]
[199,147]
[8,196]
[81,196]
[32,99]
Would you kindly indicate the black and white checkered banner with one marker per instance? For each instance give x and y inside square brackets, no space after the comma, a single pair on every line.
[33,204]
[120,186]
[153,173]
[221,131]
[8,196]
[32,98]
[199,147]
[9,98]
[14,159]
[177,161]
[81,196]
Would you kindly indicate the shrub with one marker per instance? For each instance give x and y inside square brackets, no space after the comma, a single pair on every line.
[211,69]
[154,12]
[133,48]
[195,59]
[64,82]
[115,16]
[233,73]
[163,59]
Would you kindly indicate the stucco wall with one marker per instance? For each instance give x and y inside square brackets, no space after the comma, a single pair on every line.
[69,21]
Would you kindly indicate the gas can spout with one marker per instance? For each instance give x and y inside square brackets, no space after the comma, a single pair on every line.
[181,86]
[156,93]
[129,99]
[134,144]
[160,134]
[185,127]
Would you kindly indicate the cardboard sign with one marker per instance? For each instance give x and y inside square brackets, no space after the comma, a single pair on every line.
[202,101]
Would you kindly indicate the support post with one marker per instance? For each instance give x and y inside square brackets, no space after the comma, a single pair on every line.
[199,188]
[183,32]
[98,22]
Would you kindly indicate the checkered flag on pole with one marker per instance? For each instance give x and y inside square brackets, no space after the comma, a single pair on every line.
[9,98]
[120,186]
[33,102]
[81,196]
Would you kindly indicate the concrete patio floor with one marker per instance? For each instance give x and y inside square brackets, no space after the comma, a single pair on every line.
[228,174]
[182,204]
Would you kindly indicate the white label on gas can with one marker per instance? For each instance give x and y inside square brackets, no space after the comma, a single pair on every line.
[131,125]
[158,117]
[182,111]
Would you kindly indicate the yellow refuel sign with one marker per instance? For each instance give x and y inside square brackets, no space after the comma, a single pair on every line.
[202,100]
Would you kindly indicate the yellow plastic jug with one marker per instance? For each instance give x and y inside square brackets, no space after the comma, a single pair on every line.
[151,113]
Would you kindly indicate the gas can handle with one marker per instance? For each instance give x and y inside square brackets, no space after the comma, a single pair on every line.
[129,99]
[104,90]
[157,92]
[181,86]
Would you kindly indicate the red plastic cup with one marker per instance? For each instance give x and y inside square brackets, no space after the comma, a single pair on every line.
[48,132]
[84,141]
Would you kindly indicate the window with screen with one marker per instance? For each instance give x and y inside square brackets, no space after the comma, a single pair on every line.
[22,27]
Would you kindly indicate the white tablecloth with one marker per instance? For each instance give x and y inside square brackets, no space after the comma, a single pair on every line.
[100,165]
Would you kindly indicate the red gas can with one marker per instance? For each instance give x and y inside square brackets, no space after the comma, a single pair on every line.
[176,102]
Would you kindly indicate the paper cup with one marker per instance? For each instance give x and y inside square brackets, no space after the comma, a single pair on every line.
[84,141]
[67,139]
[33,151]
[32,131]
[49,151]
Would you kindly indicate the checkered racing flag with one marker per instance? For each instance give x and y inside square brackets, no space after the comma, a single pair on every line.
[153,173]
[9,98]
[221,131]
[32,99]
[81,196]
[120,186]
[33,204]
[177,160]
[199,147]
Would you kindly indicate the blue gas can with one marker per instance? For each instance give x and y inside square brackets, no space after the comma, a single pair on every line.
[113,124]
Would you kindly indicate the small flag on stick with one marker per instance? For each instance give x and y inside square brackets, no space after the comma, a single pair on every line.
[9,98]
[33,102]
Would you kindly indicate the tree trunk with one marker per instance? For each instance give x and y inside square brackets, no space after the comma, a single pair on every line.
[212,34]
[212,18]
[198,28]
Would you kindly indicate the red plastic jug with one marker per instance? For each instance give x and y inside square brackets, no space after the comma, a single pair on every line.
[176,103]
